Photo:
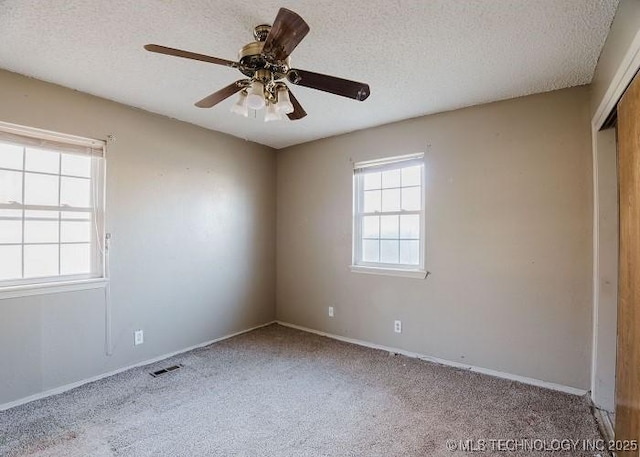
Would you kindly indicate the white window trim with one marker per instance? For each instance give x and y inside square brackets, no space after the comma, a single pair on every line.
[375,268]
[53,287]
[67,283]
[406,273]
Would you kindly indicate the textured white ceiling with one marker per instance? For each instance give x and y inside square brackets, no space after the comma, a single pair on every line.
[418,56]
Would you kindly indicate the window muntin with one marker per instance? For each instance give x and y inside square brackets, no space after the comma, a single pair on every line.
[51,207]
[389,213]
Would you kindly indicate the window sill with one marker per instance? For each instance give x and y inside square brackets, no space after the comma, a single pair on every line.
[27,290]
[415,274]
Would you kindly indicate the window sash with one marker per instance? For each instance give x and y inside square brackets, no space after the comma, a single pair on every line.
[358,241]
[362,168]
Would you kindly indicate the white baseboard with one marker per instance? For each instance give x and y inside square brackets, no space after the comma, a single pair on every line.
[604,423]
[428,358]
[73,385]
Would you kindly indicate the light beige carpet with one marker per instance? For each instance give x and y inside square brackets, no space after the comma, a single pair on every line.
[281,392]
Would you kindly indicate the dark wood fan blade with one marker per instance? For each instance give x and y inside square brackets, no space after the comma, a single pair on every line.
[298,110]
[222,94]
[286,33]
[189,55]
[344,87]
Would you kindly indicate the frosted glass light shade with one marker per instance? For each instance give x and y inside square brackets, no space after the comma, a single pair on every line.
[240,107]
[255,98]
[284,104]
[272,113]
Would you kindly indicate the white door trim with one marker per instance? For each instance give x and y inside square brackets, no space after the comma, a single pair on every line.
[624,75]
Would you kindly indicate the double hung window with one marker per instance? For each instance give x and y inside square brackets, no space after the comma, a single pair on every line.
[389,213]
[51,207]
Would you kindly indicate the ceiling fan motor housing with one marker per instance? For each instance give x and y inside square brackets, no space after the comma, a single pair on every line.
[252,59]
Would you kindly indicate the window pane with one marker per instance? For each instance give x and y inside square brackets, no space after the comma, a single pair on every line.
[40,190]
[10,156]
[41,260]
[389,227]
[370,251]
[410,226]
[41,214]
[411,199]
[391,200]
[11,213]
[371,181]
[84,215]
[10,186]
[75,192]
[391,178]
[42,160]
[10,231]
[74,232]
[10,262]
[411,176]
[371,201]
[371,227]
[76,165]
[410,252]
[40,231]
[389,251]
[76,259]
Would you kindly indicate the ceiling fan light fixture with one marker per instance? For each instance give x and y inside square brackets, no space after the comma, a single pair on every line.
[272,113]
[284,104]
[255,98]
[240,107]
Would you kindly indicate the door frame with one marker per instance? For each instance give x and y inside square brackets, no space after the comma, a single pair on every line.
[628,68]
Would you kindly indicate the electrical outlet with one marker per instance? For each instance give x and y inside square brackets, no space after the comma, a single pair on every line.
[397,326]
[138,337]
[330,311]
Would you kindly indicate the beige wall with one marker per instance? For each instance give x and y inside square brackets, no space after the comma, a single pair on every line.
[191,213]
[625,27]
[509,238]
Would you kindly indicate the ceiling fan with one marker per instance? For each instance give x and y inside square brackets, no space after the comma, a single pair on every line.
[266,64]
